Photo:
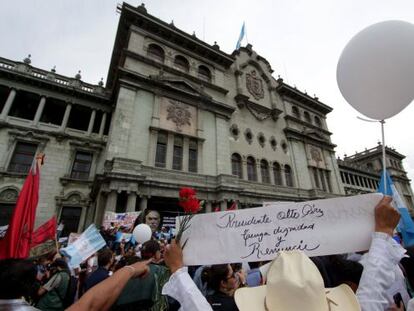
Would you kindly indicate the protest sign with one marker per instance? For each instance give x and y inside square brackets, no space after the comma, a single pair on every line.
[73,237]
[119,219]
[89,242]
[320,227]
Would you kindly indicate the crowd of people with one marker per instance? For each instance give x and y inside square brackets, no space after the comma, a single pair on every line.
[151,276]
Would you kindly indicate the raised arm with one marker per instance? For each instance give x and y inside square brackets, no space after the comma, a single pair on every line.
[103,295]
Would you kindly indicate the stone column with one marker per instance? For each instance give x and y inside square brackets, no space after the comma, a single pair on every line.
[91,122]
[8,104]
[152,147]
[111,201]
[155,120]
[271,175]
[132,200]
[244,168]
[200,157]
[102,127]
[66,117]
[143,203]
[223,205]
[39,110]
[209,207]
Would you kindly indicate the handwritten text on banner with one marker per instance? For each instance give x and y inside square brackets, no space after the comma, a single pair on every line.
[320,227]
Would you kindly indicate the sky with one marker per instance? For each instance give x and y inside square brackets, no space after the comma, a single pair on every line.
[301,39]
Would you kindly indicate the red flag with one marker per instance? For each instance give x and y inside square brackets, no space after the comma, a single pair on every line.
[16,243]
[45,232]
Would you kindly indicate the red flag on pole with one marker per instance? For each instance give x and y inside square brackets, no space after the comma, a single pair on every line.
[16,243]
[45,232]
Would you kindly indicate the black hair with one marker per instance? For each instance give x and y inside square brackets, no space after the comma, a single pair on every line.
[216,274]
[16,278]
[149,249]
[104,257]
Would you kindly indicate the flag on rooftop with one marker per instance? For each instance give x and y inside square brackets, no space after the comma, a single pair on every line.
[241,36]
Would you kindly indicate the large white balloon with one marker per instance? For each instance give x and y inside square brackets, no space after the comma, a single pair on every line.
[375,71]
[142,233]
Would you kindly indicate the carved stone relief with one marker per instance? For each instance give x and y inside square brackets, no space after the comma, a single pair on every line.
[178,117]
[254,85]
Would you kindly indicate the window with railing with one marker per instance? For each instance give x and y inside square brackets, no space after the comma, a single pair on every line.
[236,165]
[22,158]
[192,156]
[264,171]
[204,73]
[178,153]
[81,165]
[156,52]
[161,152]
[251,169]
[181,63]
[277,174]
[288,176]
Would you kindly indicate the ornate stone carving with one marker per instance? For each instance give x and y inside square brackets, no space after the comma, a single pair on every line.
[179,114]
[9,195]
[74,199]
[254,85]
[315,154]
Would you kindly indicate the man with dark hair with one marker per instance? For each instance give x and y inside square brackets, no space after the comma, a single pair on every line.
[105,260]
[17,277]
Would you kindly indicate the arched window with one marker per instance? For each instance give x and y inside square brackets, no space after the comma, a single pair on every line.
[204,73]
[277,174]
[251,169]
[307,117]
[264,171]
[317,121]
[288,176]
[181,63]
[156,52]
[236,165]
[295,112]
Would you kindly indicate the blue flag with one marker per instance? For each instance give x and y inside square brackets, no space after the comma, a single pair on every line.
[406,224]
[242,34]
[89,242]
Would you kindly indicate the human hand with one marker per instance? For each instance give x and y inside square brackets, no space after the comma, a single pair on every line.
[173,256]
[241,274]
[140,268]
[386,216]
[395,308]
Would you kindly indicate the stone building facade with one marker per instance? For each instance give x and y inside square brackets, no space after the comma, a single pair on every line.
[175,112]
[361,172]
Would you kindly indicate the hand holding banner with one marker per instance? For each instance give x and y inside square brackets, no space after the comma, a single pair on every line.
[320,227]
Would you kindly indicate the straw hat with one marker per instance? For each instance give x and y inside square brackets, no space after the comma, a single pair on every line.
[295,284]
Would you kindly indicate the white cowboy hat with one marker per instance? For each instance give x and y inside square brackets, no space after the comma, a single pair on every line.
[295,284]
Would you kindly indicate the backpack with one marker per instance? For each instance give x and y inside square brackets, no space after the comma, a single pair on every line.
[69,297]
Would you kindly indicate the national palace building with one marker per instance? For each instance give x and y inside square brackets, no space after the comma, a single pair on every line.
[175,112]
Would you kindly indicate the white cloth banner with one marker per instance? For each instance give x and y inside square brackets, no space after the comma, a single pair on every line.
[320,227]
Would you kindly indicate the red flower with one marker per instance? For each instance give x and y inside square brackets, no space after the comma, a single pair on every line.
[189,201]
[187,193]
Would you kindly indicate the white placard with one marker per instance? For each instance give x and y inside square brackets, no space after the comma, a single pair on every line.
[320,227]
